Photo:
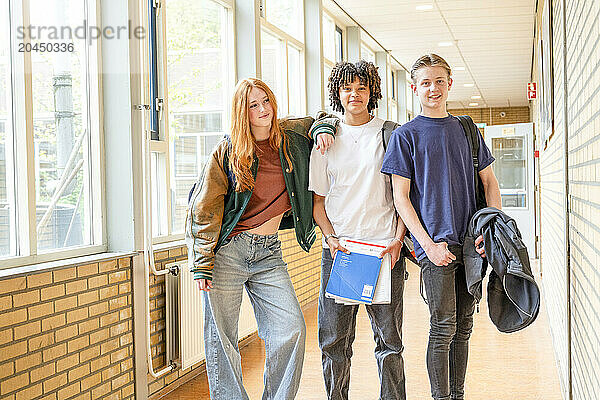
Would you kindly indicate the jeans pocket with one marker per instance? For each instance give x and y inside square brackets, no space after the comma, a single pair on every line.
[275,245]
[227,242]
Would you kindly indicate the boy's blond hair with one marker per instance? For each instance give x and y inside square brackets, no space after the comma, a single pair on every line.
[429,60]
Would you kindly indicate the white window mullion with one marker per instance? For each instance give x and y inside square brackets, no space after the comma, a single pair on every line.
[95,126]
[302,66]
[24,146]
[162,147]
[228,53]
[9,140]
[287,75]
[88,222]
[167,195]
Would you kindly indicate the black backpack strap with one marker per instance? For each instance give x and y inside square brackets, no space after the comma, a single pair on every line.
[408,249]
[471,133]
[473,138]
[386,132]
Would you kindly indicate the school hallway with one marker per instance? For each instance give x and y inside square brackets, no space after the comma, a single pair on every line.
[501,366]
[110,111]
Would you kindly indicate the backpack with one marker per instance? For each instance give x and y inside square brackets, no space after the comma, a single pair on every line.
[386,132]
[473,138]
[408,247]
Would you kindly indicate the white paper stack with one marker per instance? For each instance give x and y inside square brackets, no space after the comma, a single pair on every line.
[380,294]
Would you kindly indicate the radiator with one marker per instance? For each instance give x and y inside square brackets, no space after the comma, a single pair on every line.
[185,318]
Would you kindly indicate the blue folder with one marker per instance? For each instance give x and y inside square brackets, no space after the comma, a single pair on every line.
[353,277]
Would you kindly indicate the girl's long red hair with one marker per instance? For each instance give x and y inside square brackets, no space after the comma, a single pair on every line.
[242,140]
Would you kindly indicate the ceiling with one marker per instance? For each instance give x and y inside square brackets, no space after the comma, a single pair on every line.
[491,39]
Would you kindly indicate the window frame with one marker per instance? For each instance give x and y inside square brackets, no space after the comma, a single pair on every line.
[392,94]
[288,40]
[24,233]
[328,63]
[274,28]
[365,46]
[164,146]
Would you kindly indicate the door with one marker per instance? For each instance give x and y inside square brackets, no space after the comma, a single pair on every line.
[512,147]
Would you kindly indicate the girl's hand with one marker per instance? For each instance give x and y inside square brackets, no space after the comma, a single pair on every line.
[204,284]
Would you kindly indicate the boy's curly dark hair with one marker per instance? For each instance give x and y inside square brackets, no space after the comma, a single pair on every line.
[344,73]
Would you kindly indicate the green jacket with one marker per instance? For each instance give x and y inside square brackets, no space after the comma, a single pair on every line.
[215,207]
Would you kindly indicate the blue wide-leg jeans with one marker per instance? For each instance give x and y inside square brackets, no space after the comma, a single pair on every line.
[253,262]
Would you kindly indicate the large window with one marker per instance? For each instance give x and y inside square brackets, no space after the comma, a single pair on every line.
[329,33]
[49,132]
[393,95]
[195,82]
[287,15]
[410,107]
[333,46]
[7,198]
[366,53]
[282,54]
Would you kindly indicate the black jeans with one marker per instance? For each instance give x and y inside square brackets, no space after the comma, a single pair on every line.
[337,324]
[451,308]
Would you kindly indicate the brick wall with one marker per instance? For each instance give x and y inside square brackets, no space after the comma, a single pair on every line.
[67,333]
[553,214]
[491,116]
[583,117]
[304,269]
[579,120]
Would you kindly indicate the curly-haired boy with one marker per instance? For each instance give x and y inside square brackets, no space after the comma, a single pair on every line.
[352,199]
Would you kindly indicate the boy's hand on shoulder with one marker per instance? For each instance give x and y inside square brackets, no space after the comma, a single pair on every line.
[439,254]
[204,284]
[324,142]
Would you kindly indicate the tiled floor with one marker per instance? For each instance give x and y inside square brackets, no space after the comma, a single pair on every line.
[518,366]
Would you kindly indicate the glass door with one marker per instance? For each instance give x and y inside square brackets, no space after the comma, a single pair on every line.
[510,168]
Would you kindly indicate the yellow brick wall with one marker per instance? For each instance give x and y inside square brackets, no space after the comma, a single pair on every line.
[68,333]
[304,269]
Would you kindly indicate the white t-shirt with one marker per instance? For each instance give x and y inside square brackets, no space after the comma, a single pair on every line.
[358,197]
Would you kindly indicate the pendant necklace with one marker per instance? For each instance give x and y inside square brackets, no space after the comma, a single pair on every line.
[355,138]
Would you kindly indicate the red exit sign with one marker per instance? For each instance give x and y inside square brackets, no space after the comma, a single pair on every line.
[531,91]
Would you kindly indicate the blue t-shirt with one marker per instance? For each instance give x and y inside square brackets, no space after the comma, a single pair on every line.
[434,154]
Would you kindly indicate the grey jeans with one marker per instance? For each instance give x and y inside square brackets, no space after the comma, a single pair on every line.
[451,308]
[254,263]
[337,324]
